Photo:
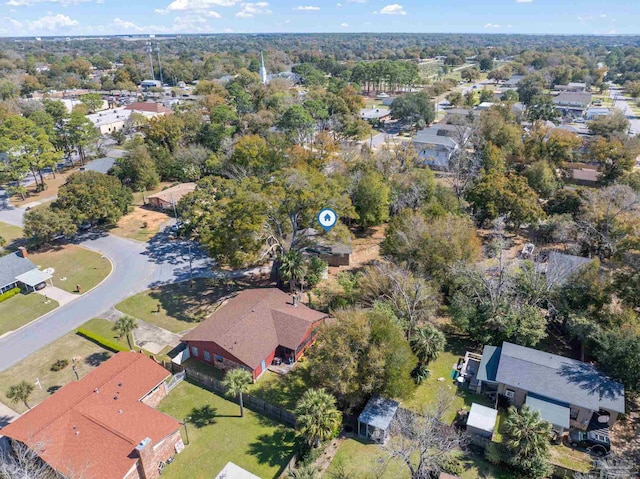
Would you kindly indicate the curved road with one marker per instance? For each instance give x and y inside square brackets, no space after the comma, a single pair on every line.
[136,266]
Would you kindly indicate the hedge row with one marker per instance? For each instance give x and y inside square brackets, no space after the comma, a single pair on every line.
[101,341]
[9,294]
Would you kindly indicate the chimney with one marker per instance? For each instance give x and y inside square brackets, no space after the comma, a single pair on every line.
[146,466]
[22,251]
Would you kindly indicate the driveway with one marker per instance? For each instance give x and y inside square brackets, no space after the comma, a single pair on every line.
[60,295]
[153,338]
[136,266]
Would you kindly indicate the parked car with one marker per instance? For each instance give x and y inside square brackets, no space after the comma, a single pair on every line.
[593,442]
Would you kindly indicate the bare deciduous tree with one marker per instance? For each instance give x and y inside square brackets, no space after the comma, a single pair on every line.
[424,441]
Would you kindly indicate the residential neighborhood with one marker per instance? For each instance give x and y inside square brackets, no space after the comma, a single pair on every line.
[310,245]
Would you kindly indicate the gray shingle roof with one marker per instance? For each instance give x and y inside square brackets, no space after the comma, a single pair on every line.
[561,266]
[489,363]
[559,378]
[557,413]
[433,139]
[13,265]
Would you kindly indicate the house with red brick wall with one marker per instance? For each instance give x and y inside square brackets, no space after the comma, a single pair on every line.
[104,426]
[253,328]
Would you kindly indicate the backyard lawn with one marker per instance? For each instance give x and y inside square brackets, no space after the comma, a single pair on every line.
[440,382]
[181,307]
[73,266]
[22,309]
[38,366]
[284,390]
[218,435]
[361,459]
[9,232]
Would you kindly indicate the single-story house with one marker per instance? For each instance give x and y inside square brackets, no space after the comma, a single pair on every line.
[485,105]
[375,419]
[572,87]
[233,471]
[482,420]
[375,114]
[17,271]
[104,426]
[437,144]
[567,392]
[166,199]
[572,103]
[148,84]
[253,328]
[596,112]
[110,120]
[458,115]
[335,254]
[514,81]
[560,266]
[148,108]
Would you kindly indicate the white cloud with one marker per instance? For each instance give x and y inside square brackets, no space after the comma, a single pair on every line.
[338,4]
[357,1]
[604,15]
[196,5]
[252,9]
[48,23]
[125,25]
[307,8]
[214,14]
[344,25]
[491,25]
[393,9]
[524,1]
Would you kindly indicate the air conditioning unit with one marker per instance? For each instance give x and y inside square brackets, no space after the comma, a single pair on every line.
[509,393]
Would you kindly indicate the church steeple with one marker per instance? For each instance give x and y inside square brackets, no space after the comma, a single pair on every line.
[263,70]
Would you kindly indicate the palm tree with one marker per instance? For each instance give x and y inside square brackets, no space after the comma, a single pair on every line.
[237,382]
[20,392]
[427,343]
[304,472]
[124,326]
[292,268]
[317,416]
[526,438]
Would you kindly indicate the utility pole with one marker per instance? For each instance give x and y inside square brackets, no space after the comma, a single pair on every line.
[159,66]
[150,51]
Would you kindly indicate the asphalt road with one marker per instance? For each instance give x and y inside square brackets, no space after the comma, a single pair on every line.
[136,266]
[622,104]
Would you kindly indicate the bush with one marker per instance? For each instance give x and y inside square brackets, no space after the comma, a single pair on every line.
[9,294]
[60,364]
[101,341]
[452,464]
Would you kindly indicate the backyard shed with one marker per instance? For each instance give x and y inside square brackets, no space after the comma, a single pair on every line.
[374,421]
[482,420]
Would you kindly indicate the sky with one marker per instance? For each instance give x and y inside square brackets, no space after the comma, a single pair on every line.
[117,17]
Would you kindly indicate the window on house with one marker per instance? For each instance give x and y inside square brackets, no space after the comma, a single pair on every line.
[219,358]
[207,356]
[573,413]
[194,351]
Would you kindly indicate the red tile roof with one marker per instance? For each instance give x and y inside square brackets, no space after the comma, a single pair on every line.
[90,428]
[254,323]
[148,106]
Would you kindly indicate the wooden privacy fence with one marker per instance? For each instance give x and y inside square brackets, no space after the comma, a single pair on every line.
[254,403]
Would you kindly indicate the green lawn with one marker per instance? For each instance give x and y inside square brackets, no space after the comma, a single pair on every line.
[103,327]
[427,393]
[38,366]
[79,266]
[9,232]
[218,435]
[181,307]
[284,390]
[476,467]
[570,458]
[22,309]
[364,461]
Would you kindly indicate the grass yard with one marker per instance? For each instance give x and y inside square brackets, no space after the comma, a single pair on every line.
[22,309]
[140,225]
[78,265]
[476,467]
[284,390]
[573,459]
[426,394]
[10,233]
[218,435]
[181,307]
[364,460]
[38,366]
[103,327]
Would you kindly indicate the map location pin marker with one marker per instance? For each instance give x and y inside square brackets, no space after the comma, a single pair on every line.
[327,218]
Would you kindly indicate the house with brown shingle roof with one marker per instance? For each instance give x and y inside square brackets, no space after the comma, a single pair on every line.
[148,107]
[104,426]
[253,328]
[166,199]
